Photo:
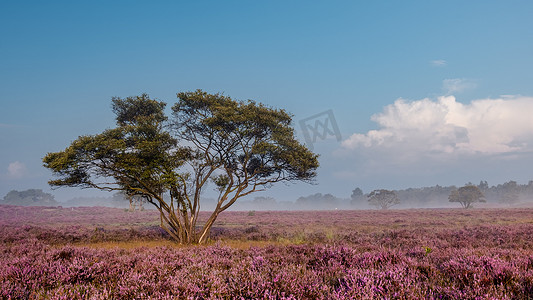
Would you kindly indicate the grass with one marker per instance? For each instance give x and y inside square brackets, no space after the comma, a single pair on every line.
[133,244]
[136,244]
[232,243]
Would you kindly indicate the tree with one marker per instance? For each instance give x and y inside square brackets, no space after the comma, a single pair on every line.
[136,201]
[240,147]
[483,185]
[383,199]
[31,197]
[356,193]
[467,196]
[356,196]
[509,193]
[318,201]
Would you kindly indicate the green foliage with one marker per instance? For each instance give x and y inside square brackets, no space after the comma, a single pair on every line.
[221,181]
[243,147]
[138,155]
[246,139]
[136,110]
[467,196]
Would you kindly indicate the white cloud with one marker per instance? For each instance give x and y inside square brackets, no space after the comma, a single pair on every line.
[457,85]
[16,170]
[444,127]
[438,63]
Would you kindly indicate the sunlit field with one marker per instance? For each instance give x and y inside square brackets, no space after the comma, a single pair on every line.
[106,253]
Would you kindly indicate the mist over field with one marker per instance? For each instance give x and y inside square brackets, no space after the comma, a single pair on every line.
[505,195]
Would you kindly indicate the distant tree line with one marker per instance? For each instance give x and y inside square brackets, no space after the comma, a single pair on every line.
[36,197]
[508,193]
[31,197]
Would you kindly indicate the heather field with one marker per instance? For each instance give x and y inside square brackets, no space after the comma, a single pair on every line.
[106,253]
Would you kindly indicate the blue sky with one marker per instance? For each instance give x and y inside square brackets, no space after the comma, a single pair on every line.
[463,70]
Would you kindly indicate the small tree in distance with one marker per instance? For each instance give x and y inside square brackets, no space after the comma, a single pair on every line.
[136,201]
[383,199]
[467,196]
[357,193]
[357,196]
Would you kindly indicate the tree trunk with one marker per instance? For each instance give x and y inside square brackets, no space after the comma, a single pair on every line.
[204,234]
[132,205]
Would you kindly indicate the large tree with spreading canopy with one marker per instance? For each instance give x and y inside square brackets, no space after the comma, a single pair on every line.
[240,147]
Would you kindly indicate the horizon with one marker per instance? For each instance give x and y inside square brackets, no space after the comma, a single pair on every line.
[409,199]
